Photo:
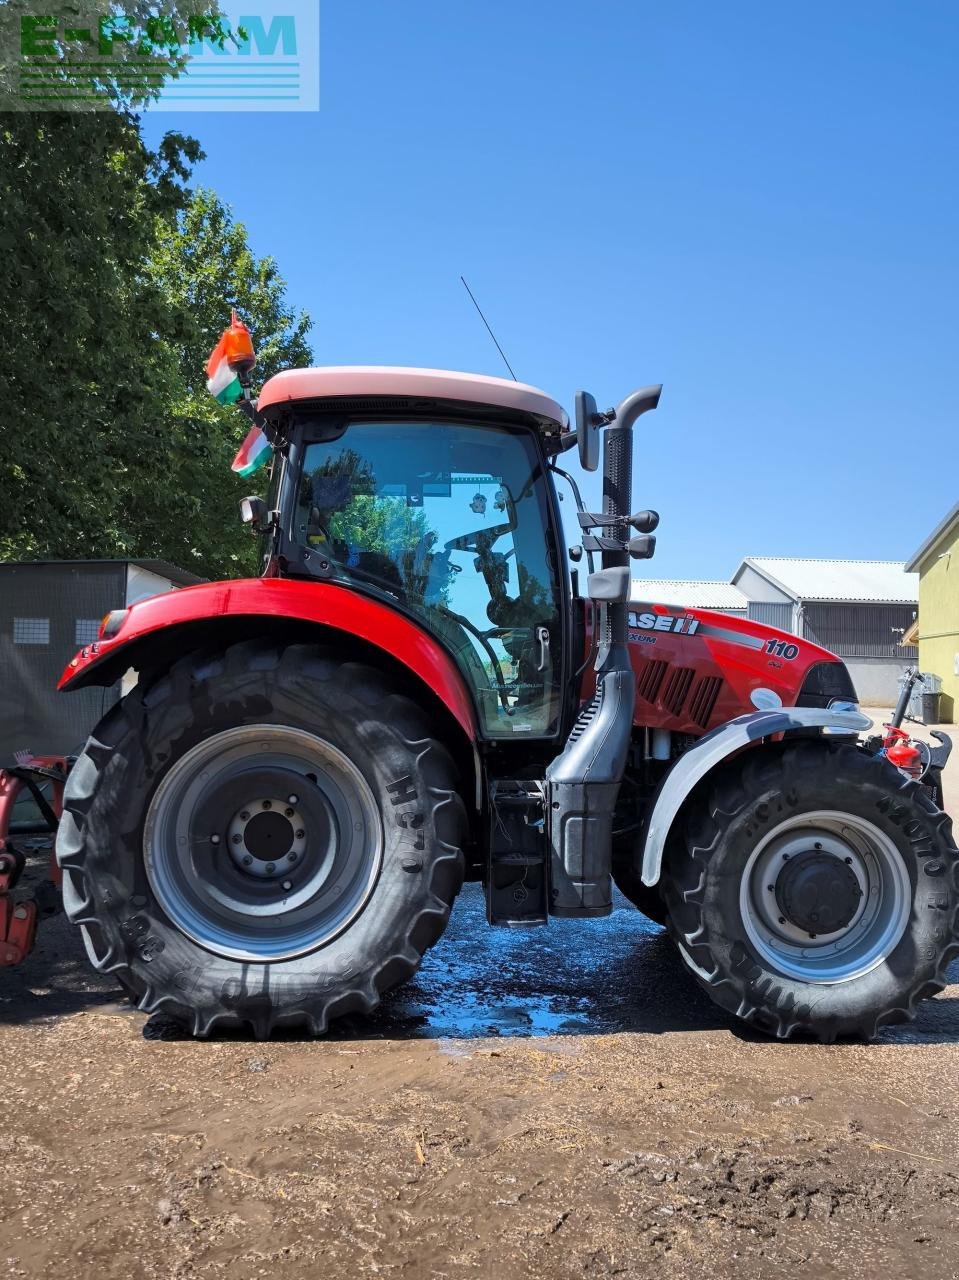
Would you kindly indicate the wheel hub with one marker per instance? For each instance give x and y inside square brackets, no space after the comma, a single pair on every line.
[267,838]
[824,897]
[263,842]
[818,892]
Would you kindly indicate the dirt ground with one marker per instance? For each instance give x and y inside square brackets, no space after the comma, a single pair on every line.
[558,1103]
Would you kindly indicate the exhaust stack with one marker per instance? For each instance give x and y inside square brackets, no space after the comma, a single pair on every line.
[582,783]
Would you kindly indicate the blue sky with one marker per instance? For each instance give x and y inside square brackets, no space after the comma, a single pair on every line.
[755,204]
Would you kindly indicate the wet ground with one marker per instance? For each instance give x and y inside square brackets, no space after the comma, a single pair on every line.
[561,1102]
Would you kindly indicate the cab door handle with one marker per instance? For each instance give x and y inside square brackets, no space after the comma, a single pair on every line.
[542,639]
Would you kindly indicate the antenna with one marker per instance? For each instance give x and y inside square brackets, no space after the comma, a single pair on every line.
[489,330]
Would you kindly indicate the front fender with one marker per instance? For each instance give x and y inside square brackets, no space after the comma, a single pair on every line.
[716,747]
[269,600]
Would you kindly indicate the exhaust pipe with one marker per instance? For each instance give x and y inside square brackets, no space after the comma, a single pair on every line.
[582,783]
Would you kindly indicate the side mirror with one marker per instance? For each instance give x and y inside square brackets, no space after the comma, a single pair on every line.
[588,423]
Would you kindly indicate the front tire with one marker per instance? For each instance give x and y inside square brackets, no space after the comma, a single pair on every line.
[816,892]
[265,837]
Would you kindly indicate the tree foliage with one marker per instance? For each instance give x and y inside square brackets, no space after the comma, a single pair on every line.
[80,381]
[115,283]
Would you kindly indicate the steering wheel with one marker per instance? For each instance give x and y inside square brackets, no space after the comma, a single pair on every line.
[480,541]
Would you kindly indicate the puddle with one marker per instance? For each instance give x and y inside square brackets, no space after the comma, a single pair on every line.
[573,977]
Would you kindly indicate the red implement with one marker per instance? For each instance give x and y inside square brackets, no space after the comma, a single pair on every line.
[18,920]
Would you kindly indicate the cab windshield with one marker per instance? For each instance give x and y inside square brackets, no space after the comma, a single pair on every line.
[448,521]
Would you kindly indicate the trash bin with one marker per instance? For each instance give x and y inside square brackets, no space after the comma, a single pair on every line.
[931,688]
[930,708]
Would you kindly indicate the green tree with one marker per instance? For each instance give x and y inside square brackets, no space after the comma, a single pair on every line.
[83,370]
[114,286]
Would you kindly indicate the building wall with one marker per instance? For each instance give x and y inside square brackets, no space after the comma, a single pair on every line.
[47,612]
[778,614]
[861,630]
[939,618]
[755,587]
[876,680]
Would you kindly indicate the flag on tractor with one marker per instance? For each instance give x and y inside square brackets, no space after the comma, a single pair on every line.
[231,358]
[253,452]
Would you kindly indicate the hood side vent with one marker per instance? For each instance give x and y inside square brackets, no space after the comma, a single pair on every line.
[677,690]
[650,680]
[704,699]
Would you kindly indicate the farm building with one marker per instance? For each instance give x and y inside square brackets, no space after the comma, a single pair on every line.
[937,563]
[858,609]
[48,610]
[686,594]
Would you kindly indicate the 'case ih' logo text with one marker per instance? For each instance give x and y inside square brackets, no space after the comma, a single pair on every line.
[664,622]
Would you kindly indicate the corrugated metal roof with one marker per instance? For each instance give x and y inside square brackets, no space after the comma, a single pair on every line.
[941,529]
[688,594]
[862,581]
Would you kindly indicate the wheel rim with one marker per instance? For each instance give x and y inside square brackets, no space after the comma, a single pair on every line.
[825,897]
[263,843]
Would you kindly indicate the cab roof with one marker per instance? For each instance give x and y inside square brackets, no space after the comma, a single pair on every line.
[353,382]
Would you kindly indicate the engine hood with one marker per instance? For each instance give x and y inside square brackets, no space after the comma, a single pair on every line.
[696,669]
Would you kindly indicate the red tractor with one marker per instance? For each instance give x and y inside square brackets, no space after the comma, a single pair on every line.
[271,828]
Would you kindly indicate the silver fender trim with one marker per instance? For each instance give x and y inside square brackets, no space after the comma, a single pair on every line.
[715,747]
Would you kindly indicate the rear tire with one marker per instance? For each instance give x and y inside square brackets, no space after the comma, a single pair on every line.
[816,892]
[265,837]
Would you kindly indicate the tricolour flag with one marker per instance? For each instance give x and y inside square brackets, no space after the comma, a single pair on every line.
[232,356]
[254,451]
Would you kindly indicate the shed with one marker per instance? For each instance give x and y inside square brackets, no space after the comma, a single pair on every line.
[686,593]
[937,563]
[858,609]
[48,610]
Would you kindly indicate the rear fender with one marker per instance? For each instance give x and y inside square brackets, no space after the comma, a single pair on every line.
[159,630]
[710,752]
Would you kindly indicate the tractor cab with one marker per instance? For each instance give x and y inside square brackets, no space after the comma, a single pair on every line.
[430,491]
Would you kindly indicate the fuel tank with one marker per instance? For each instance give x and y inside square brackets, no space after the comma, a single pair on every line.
[696,669]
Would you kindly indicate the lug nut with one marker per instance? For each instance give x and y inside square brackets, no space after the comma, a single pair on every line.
[244,816]
[267,804]
[292,799]
[771,888]
[782,919]
[291,857]
[270,868]
[247,861]
[237,839]
[288,813]
[300,834]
